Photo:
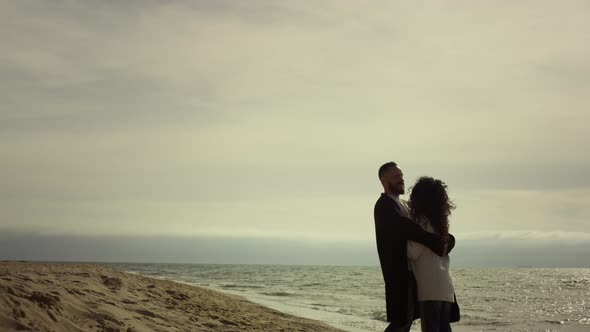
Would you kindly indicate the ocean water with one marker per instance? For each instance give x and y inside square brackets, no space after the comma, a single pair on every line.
[352,298]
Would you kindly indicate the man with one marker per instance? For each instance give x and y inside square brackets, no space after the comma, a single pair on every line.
[393,229]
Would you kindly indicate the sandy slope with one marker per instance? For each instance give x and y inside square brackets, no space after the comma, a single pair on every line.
[80,297]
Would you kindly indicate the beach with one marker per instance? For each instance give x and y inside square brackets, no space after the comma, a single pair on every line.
[89,297]
[352,297]
[37,296]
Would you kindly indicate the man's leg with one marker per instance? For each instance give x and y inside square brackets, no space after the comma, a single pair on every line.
[445,317]
[405,328]
[411,307]
[430,316]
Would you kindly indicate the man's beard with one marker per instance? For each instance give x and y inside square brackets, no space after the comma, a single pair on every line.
[396,189]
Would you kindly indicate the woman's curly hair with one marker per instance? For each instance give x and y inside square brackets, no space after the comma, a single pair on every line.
[429,199]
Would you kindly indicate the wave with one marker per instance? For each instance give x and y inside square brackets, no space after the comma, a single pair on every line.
[379,315]
[240,286]
[313,284]
[318,304]
[278,294]
[476,320]
[573,283]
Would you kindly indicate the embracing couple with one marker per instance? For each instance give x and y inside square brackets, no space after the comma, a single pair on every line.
[413,243]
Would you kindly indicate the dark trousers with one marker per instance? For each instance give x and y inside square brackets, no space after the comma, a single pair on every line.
[412,294]
[405,328]
[435,316]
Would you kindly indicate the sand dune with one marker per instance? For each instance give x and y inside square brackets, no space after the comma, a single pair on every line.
[88,297]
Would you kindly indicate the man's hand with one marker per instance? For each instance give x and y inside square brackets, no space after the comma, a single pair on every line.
[450,244]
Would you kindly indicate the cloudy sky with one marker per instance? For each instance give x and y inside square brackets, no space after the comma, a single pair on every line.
[258,127]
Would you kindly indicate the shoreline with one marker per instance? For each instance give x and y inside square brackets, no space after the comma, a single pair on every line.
[457,327]
[43,296]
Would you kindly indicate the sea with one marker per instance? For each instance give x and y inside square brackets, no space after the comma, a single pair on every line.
[352,297]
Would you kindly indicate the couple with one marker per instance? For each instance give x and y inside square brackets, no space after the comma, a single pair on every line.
[413,242]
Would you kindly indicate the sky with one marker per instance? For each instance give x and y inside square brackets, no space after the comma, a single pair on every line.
[251,132]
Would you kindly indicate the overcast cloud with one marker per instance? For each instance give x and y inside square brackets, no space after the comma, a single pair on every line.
[269,119]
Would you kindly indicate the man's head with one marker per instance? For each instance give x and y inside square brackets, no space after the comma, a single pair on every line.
[392,179]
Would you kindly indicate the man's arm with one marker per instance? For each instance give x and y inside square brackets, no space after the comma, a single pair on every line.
[450,243]
[405,229]
[415,250]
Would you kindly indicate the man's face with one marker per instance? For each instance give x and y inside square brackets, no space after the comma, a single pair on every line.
[395,181]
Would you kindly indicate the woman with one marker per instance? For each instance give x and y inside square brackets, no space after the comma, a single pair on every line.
[430,207]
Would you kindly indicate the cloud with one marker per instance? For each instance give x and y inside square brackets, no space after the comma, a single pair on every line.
[496,250]
[510,211]
[527,238]
[271,118]
[522,249]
